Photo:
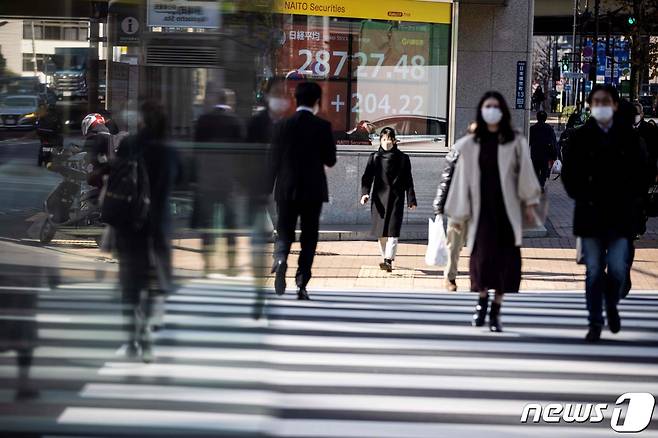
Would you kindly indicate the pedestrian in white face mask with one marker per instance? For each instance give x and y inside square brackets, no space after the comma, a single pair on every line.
[607,173]
[494,186]
[387,178]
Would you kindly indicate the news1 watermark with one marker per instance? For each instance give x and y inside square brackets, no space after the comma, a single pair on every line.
[638,408]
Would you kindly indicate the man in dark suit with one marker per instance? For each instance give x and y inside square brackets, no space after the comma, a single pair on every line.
[302,146]
[216,177]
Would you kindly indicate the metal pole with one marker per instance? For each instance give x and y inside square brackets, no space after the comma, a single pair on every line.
[607,48]
[573,49]
[612,62]
[595,46]
[92,66]
[34,50]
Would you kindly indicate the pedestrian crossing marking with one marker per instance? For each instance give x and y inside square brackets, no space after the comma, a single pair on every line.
[358,363]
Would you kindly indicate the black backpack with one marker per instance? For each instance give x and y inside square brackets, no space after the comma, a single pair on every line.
[126,198]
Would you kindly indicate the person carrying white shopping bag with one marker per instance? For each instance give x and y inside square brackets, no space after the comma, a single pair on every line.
[437,249]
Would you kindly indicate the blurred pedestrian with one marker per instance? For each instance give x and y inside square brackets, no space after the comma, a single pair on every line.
[493,188]
[145,252]
[98,142]
[19,330]
[554,100]
[538,98]
[649,133]
[456,232]
[605,171]
[302,146]
[388,177]
[543,146]
[253,166]
[216,133]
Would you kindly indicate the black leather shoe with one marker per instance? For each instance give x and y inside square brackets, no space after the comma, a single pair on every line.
[279,268]
[302,295]
[494,318]
[387,265]
[593,334]
[480,312]
[614,321]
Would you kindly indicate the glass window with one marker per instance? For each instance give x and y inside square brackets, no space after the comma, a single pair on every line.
[425,126]
[53,33]
[28,65]
[27,30]
[38,32]
[70,33]
[18,102]
[387,73]
[82,34]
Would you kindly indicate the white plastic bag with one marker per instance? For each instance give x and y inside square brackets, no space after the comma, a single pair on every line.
[437,251]
[557,168]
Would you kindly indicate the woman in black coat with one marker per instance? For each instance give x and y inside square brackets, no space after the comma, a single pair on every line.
[388,177]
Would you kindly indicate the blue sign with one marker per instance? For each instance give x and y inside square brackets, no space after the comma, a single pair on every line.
[605,64]
[520,84]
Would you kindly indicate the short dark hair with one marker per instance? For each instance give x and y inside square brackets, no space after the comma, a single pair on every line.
[308,93]
[504,127]
[389,132]
[611,90]
[542,116]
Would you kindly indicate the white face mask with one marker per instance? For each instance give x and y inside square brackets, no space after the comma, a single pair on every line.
[602,114]
[278,104]
[316,108]
[638,119]
[492,115]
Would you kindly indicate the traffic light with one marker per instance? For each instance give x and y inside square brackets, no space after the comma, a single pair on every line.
[632,21]
[565,64]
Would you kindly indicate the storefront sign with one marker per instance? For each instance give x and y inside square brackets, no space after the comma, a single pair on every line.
[376,71]
[128,30]
[520,84]
[398,10]
[183,13]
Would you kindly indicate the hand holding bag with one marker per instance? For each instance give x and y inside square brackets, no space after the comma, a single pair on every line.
[557,167]
[437,249]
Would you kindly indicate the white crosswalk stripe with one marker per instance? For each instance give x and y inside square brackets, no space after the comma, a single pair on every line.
[347,364]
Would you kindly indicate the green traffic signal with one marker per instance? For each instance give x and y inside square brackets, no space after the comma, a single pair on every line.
[631,21]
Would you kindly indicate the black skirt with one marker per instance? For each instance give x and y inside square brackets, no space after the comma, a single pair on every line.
[495,260]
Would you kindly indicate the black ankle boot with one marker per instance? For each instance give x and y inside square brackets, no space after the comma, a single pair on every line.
[480,312]
[494,318]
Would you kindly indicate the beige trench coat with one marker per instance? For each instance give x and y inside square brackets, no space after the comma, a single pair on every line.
[517,179]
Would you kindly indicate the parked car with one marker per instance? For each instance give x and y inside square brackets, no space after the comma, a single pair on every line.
[414,132]
[19,111]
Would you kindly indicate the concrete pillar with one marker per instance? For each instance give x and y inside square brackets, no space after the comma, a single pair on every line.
[491,39]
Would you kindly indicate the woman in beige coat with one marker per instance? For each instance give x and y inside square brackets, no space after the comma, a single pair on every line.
[493,187]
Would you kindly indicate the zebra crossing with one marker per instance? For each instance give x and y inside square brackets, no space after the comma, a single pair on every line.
[347,364]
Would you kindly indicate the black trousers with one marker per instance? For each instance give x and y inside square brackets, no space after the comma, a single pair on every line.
[542,171]
[309,215]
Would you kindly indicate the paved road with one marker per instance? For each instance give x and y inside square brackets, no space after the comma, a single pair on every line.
[357,364]
[23,185]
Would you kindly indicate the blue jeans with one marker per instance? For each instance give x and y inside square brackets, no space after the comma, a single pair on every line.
[611,284]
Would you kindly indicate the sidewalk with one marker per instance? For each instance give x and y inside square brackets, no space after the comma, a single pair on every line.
[548,262]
